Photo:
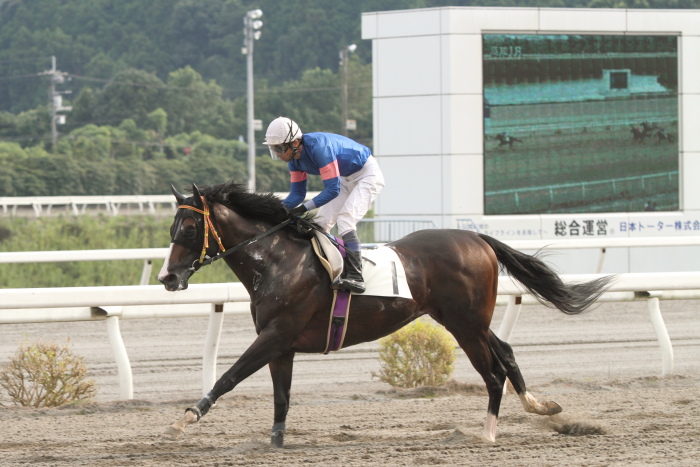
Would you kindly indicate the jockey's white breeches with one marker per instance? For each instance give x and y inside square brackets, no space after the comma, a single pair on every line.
[357,193]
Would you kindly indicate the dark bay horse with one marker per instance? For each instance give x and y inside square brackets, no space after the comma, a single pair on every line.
[452,275]
[504,139]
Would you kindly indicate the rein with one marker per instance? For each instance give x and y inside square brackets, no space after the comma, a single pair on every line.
[223,252]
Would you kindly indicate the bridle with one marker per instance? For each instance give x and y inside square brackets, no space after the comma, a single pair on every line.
[208,224]
[223,252]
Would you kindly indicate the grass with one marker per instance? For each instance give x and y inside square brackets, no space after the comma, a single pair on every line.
[87,233]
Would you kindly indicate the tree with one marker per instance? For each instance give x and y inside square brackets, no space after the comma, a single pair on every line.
[131,94]
[10,154]
[88,143]
[193,105]
[99,178]
[270,175]
[59,174]
[158,120]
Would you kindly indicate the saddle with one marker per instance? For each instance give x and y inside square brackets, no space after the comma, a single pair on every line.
[382,269]
[328,253]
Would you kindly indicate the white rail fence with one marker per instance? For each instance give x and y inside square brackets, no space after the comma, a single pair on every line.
[43,205]
[153,301]
[78,205]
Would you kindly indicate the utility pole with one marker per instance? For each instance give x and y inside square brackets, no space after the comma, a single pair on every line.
[251,33]
[56,100]
[344,52]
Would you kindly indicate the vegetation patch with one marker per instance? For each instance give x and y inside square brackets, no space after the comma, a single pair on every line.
[46,375]
[420,354]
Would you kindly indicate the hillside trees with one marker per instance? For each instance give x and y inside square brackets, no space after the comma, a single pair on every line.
[314,101]
[137,134]
[158,87]
[26,127]
[94,39]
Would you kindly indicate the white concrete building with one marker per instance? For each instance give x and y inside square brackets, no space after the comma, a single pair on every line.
[428,124]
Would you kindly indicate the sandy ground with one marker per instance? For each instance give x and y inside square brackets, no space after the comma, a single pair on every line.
[603,368]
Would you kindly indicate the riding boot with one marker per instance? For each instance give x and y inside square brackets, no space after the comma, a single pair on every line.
[351,277]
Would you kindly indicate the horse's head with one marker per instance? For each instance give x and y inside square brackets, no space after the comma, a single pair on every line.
[186,241]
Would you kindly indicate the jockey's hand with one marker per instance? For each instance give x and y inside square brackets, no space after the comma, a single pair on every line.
[297,211]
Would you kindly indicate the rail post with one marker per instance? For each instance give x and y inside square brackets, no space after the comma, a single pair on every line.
[146,271]
[211,347]
[126,381]
[510,317]
[657,322]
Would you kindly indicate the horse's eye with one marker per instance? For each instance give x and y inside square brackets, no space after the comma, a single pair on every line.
[190,232]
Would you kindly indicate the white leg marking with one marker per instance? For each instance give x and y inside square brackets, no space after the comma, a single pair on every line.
[164,270]
[490,427]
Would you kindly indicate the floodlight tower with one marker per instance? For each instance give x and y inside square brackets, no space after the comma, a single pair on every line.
[344,52]
[251,33]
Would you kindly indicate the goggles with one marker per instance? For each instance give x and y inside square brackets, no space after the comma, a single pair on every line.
[277,149]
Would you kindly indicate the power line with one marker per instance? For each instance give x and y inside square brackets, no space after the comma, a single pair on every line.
[7,78]
[141,85]
[224,90]
[279,90]
[113,140]
[17,60]
[26,138]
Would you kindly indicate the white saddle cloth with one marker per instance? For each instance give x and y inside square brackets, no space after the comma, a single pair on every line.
[382,269]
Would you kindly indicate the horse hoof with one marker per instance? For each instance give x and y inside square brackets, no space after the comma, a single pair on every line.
[173,433]
[277,439]
[489,437]
[553,408]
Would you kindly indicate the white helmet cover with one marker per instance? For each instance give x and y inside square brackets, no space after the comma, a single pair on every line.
[281,130]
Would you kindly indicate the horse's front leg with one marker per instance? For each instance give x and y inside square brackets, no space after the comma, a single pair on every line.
[268,346]
[281,372]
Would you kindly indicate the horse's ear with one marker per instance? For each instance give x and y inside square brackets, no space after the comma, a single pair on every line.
[178,196]
[197,197]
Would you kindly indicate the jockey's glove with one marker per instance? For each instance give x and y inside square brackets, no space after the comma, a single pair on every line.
[297,211]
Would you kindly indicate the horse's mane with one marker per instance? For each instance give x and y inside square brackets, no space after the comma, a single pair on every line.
[260,206]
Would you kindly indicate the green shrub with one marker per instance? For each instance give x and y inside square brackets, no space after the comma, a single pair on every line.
[46,375]
[420,354]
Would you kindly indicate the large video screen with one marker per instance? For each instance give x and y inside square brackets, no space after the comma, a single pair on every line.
[580,123]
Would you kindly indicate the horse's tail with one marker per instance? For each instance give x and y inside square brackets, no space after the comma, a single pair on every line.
[542,282]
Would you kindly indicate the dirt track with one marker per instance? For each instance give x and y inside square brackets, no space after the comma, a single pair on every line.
[603,368]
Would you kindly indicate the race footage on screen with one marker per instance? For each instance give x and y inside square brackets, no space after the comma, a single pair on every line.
[580,123]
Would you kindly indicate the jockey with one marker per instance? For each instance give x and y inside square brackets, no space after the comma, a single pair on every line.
[351,179]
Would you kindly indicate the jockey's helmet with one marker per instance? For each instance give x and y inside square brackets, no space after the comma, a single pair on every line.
[280,133]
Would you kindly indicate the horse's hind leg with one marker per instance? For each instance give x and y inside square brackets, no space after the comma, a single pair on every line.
[281,372]
[505,355]
[485,361]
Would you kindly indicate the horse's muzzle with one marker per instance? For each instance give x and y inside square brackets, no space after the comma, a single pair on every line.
[173,283]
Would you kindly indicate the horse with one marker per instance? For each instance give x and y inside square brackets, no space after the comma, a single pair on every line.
[662,135]
[648,128]
[638,135]
[452,275]
[504,139]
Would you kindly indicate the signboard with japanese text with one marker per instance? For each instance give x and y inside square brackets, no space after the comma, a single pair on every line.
[578,226]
